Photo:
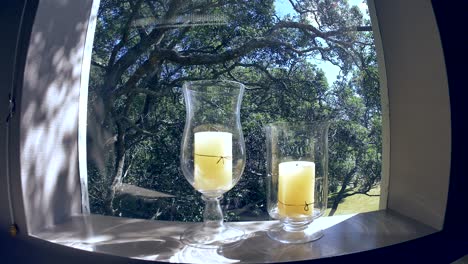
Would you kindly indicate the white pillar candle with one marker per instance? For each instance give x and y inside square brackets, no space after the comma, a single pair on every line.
[296,184]
[213,161]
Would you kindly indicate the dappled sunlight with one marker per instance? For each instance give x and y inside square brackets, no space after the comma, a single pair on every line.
[160,240]
[322,222]
[49,121]
[327,222]
[196,255]
[97,239]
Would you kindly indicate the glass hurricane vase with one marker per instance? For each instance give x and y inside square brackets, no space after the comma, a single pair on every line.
[297,178]
[212,155]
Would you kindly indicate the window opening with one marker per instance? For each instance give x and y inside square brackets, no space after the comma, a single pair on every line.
[299,59]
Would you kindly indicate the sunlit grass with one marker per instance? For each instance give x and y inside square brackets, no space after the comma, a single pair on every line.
[358,203]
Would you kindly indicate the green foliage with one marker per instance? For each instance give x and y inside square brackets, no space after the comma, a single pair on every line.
[136,113]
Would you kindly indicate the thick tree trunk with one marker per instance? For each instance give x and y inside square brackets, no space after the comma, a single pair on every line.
[336,202]
[117,175]
[115,185]
[341,193]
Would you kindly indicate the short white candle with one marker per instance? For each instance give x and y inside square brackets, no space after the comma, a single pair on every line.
[296,183]
[213,161]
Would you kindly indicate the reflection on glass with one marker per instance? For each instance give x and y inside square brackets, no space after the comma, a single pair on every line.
[212,155]
[300,60]
[297,165]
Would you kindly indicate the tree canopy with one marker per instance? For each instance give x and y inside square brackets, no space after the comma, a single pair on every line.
[144,50]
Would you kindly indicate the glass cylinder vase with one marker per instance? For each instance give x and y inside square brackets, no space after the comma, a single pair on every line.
[212,155]
[297,178]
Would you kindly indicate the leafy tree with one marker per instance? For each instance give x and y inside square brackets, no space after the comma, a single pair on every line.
[356,148]
[145,49]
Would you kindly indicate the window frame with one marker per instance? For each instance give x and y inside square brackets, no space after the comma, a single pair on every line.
[83,105]
[16,184]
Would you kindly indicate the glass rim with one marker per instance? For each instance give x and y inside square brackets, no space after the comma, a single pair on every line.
[233,86]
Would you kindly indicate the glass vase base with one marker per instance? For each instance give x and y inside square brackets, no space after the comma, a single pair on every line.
[308,234]
[212,237]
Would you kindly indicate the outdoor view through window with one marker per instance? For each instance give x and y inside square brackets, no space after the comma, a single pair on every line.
[299,61]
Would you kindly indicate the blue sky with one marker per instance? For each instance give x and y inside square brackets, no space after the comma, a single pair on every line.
[283,7]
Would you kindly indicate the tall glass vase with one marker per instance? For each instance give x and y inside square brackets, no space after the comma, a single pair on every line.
[297,166]
[212,155]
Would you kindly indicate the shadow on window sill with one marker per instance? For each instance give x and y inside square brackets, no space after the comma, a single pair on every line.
[159,240]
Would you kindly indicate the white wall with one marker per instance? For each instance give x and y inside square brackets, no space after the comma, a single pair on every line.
[420,132]
[49,113]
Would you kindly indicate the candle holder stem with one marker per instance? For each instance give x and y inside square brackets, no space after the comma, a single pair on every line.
[213,233]
[213,215]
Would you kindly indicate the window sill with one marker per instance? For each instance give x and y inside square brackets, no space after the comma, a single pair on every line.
[159,240]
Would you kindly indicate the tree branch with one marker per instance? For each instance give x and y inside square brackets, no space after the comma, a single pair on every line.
[365,193]
[129,58]
[132,125]
[125,33]
[95,63]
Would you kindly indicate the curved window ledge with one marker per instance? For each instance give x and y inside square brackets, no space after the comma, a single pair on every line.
[159,240]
